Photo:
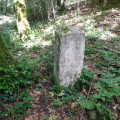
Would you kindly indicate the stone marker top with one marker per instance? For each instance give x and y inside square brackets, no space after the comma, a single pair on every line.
[75,30]
[70,31]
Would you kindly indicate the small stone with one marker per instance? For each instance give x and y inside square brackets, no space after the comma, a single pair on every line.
[74,105]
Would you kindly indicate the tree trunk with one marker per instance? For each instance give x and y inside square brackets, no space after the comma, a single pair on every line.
[100,2]
[61,4]
[6,58]
[58,3]
[21,18]
[105,3]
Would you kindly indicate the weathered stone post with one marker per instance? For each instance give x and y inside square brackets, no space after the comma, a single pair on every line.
[69,55]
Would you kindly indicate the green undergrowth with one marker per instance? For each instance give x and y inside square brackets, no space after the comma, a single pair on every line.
[67,94]
[16,81]
[107,88]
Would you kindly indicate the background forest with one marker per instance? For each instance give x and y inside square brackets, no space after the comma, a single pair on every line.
[28,90]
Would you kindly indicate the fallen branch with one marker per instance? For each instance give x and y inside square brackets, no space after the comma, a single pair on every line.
[112,50]
[114,30]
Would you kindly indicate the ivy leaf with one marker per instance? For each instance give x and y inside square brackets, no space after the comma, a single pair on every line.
[86,103]
[37,74]
[96,96]
[97,85]
[18,105]
[27,99]
[1,68]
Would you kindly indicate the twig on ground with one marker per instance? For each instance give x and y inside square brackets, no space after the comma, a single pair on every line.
[86,98]
[114,30]
[111,50]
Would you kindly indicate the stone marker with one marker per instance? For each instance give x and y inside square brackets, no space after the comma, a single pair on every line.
[69,55]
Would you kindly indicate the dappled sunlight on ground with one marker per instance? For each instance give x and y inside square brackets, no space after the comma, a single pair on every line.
[97,22]
[37,42]
[48,30]
[108,35]
[7,21]
[41,39]
[101,28]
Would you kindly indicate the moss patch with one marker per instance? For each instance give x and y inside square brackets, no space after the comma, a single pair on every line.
[5,56]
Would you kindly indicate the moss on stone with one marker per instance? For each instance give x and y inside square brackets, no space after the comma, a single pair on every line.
[5,56]
[56,83]
[63,29]
[58,35]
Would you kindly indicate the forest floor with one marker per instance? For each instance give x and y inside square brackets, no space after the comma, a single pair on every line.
[102,31]
[105,26]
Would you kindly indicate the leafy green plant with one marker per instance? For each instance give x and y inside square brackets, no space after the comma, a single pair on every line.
[52,94]
[52,117]
[85,79]
[13,79]
[47,57]
[2,114]
[57,102]
[21,107]
[108,87]
[68,93]
[104,112]
[83,101]
[71,114]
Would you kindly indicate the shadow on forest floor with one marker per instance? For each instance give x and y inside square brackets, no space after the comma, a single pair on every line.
[101,37]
